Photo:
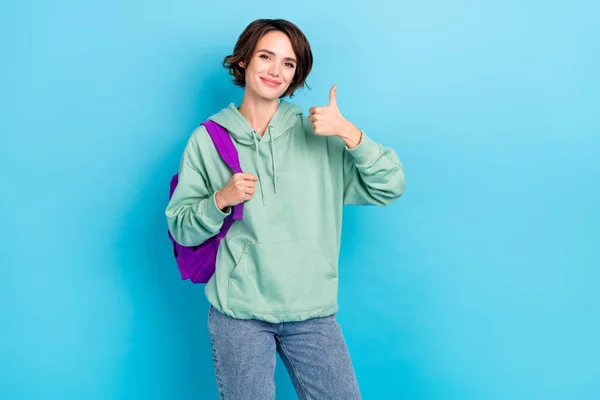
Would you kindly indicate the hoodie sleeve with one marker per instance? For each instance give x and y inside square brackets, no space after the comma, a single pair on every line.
[373,174]
[192,213]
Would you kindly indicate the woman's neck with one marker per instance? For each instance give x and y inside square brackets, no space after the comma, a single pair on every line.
[258,112]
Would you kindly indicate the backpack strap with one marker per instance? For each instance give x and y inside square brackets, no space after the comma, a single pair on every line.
[228,153]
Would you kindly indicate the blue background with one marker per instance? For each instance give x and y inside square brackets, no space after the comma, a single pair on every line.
[480,283]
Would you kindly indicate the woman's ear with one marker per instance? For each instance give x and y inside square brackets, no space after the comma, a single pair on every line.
[242,64]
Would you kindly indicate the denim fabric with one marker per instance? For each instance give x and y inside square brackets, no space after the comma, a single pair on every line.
[313,351]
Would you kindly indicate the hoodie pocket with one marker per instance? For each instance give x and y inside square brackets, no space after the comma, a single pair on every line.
[283,277]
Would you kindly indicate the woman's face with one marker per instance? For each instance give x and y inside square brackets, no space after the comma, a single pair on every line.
[272,66]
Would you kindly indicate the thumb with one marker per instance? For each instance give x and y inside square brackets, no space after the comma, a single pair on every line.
[332,98]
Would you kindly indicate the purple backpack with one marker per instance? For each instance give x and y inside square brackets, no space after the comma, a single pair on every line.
[197,263]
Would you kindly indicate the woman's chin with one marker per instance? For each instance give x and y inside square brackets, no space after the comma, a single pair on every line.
[269,95]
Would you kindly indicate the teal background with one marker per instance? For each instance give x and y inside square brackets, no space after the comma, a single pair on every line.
[480,283]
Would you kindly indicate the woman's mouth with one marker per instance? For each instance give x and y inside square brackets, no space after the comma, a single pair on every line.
[270,82]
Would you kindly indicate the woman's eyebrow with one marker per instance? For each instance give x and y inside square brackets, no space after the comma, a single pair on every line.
[273,54]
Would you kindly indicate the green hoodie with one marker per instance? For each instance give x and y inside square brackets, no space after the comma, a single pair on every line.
[281,262]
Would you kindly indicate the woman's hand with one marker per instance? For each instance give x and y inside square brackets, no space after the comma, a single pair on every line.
[240,188]
[328,121]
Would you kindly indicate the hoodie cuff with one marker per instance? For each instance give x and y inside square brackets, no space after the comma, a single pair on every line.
[209,209]
[366,152]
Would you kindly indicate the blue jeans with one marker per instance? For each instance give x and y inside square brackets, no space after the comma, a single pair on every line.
[313,351]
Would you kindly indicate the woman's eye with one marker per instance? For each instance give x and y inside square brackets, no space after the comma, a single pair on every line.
[290,65]
[266,57]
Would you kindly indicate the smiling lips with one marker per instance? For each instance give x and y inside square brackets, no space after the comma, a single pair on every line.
[270,82]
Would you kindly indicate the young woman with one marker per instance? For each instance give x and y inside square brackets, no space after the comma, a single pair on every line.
[276,281]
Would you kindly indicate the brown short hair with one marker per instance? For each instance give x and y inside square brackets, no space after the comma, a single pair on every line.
[246,44]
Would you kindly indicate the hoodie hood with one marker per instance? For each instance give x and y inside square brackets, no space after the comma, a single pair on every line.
[281,123]
[240,129]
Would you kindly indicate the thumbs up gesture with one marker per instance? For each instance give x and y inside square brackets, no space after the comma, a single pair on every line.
[328,121]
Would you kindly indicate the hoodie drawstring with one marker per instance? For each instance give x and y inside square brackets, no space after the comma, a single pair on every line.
[274,164]
[262,193]
[273,158]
